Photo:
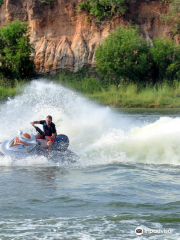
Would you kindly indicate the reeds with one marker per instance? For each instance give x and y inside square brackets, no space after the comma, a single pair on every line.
[9,88]
[161,95]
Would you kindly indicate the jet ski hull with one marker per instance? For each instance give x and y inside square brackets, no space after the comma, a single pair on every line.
[60,151]
[61,143]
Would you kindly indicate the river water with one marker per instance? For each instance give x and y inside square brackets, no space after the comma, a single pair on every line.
[128,174]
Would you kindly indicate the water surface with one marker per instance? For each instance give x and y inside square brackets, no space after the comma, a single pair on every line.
[127,177]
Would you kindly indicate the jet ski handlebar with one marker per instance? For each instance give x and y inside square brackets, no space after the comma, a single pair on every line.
[40,131]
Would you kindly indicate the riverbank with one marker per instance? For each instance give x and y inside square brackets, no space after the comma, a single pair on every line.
[89,85]
[125,95]
[7,92]
[162,96]
[9,89]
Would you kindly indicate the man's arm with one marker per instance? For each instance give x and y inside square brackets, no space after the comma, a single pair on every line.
[54,133]
[52,137]
[35,122]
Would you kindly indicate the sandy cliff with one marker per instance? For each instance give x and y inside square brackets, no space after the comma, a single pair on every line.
[63,38]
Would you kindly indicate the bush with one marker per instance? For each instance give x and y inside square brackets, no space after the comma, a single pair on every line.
[47,2]
[103,8]
[83,80]
[166,57]
[123,54]
[15,50]
[90,85]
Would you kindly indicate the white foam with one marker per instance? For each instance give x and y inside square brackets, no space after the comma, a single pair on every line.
[96,133]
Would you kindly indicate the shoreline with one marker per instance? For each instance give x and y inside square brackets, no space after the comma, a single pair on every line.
[130,107]
[128,97]
[175,104]
[89,84]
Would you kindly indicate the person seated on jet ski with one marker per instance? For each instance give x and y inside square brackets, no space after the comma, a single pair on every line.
[49,130]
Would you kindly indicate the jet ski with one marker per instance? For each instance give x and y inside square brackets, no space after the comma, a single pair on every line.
[26,144]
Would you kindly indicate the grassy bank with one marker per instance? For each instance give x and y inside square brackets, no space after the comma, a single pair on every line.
[162,96]
[89,84]
[129,95]
[9,88]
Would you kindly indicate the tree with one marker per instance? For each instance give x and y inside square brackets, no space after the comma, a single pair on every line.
[15,50]
[123,54]
[166,57]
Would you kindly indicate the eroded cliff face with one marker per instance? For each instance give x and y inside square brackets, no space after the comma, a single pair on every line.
[63,38]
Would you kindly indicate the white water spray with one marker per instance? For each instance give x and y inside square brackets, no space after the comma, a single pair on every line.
[97,134]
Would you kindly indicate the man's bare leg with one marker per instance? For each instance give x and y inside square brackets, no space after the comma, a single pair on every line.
[49,144]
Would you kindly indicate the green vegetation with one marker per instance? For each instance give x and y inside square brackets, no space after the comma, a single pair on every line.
[47,1]
[174,9]
[15,50]
[84,81]
[103,8]
[88,83]
[124,56]
[7,92]
[9,88]
[172,16]
[165,59]
[1,2]
[15,62]
[130,73]
[160,96]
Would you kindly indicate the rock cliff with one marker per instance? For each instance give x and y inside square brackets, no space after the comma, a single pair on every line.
[63,38]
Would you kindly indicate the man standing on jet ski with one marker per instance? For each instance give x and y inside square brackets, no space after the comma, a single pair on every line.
[49,130]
